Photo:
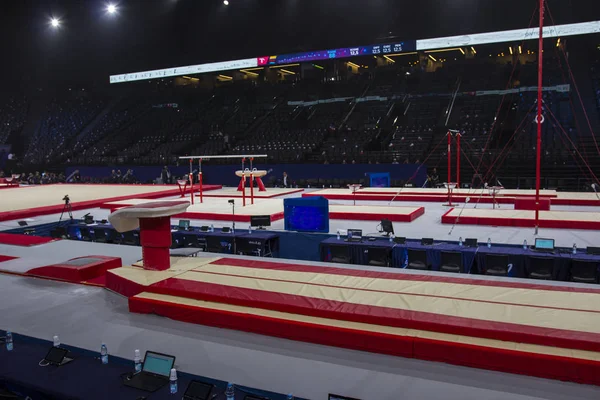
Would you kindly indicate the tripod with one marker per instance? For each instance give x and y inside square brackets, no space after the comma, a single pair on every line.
[67,207]
[232,202]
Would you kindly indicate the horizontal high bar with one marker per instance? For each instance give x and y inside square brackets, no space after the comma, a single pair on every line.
[229,156]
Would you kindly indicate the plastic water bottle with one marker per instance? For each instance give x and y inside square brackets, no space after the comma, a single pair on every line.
[289,397]
[9,341]
[56,341]
[137,360]
[249,229]
[574,248]
[338,235]
[489,243]
[391,238]
[230,392]
[460,241]
[104,354]
[173,381]
[525,244]
[212,228]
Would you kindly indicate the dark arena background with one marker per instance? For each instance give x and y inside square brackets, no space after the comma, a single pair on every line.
[326,200]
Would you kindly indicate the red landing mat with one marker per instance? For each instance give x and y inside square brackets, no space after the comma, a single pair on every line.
[547,331]
[7,258]
[89,269]
[15,239]
[523,218]
[169,190]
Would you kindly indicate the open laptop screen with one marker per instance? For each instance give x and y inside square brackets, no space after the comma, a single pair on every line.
[544,244]
[354,234]
[159,364]
[184,223]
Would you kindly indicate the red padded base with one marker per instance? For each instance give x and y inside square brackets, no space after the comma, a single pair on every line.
[79,271]
[15,239]
[544,366]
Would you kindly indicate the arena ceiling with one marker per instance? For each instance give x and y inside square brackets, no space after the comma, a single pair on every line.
[151,34]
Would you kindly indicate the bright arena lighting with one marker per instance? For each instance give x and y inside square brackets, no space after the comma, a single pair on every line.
[226,2]
[111,8]
[55,22]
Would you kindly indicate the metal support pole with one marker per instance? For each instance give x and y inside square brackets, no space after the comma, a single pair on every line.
[191,181]
[243,184]
[458,160]
[539,119]
[251,183]
[200,178]
[449,168]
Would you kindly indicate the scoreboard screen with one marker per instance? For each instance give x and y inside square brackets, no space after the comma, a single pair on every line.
[346,52]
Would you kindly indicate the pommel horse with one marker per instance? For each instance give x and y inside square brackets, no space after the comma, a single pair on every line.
[244,174]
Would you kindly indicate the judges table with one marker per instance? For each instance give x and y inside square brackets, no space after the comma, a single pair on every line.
[256,243]
[473,258]
[86,377]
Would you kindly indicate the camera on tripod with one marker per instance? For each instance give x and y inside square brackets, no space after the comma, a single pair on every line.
[66,199]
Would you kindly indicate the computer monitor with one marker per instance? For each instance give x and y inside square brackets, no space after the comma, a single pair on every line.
[158,364]
[260,220]
[354,235]
[184,224]
[387,227]
[544,244]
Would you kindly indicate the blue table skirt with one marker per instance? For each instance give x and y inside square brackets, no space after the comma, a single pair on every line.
[473,258]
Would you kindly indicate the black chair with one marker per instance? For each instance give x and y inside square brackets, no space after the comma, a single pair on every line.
[496,265]
[213,244]
[379,256]
[131,238]
[417,259]
[85,234]
[451,262]
[244,247]
[540,268]
[340,254]
[103,235]
[583,271]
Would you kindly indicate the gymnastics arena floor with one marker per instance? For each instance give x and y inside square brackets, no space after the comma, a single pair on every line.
[27,201]
[546,329]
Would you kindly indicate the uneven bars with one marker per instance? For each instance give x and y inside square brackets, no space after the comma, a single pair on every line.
[233,156]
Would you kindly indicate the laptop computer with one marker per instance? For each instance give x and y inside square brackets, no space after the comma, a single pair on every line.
[546,245]
[197,390]
[593,250]
[400,240]
[470,242]
[426,241]
[155,372]
[354,235]
[57,356]
[338,397]
[184,224]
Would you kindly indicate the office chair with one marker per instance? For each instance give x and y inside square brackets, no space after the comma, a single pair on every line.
[340,254]
[85,234]
[244,247]
[379,256]
[102,235]
[131,238]
[583,271]
[451,262]
[417,259]
[213,244]
[540,268]
[496,265]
